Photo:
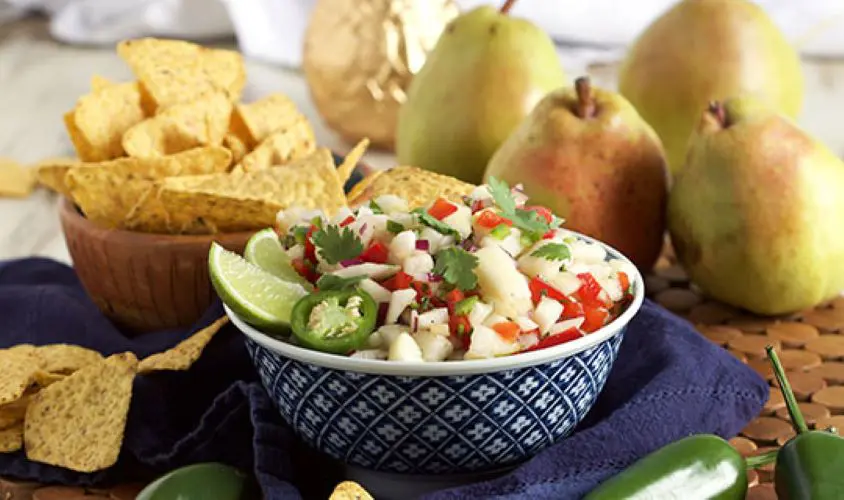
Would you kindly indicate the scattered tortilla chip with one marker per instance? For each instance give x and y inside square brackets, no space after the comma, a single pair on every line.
[79,422]
[241,201]
[44,379]
[201,122]
[107,192]
[50,173]
[282,147]
[174,71]
[255,121]
[350,490]
[237,147]
[11,439]
[344,171]
[185,354]
[97,124]
[18,368]
[12,413]
[419,187]
[15,179]
[65,358]
[238,169]
[99,83]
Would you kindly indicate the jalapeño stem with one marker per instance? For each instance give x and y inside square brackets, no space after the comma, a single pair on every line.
[790,401]
[766,458]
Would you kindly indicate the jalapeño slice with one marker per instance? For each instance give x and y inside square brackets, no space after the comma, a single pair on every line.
[334,321]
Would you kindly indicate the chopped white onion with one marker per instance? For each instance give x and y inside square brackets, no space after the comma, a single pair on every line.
[566,324]
[399,301]
[433,317]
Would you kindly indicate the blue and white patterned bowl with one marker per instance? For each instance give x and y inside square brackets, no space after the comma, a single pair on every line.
[452,417]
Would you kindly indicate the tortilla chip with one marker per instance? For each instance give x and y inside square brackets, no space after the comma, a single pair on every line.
[97,124]
[174,71]
[50,173]
[201,122]
[99,83]
[350,490]
[12,413]
[44,379]
[11,439]
[419,187]
[107,192]
[185,354]
[15,179]
[243,201]
[78,423]
[65,358]
[282,147]
[254,122]
[237,147]
[344,171]
[16,375]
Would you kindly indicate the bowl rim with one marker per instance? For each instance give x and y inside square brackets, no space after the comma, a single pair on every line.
[452,368]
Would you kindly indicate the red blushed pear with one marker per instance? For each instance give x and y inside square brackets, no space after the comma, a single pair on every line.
[756,213]
[587,154]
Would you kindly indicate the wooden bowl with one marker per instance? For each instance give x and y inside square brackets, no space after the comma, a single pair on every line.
[141,281]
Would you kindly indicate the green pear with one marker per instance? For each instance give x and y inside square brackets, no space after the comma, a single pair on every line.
[757,212]
[587,154]
[704,50]
[484,75]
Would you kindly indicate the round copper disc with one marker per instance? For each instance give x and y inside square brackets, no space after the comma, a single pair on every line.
[125,491]
[753,345]
[678,300]
[719,334]
[794,359]
[812,412]
[804,384]
[831,320]
[752,478]
[836,421]
[711,313]
[750,324]
[743,445]
[762,367]
[59,493]
[774,403]
[828,346]
[831,397]
[673,273]
[655,284]
[831,371]
[792,333]
[766,429]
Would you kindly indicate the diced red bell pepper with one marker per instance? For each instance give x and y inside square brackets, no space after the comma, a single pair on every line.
[552,340]
[590,290]
[624,281]
[399,281]
[596,317]
[571,310]
[454,296]
[490,220]
[305,269]
[477,206]
[441,209]
[310,249]
[376,252]
[539,289]
[464,334]
[507,330]
[542,212]
[348,220]
[548,235]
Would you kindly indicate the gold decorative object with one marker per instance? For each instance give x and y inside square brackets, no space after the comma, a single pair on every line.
[360,56]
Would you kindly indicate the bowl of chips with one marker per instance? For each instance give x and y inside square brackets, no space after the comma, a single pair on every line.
[171,161]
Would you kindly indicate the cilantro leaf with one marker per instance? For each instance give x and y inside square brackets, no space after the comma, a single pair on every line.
[394,227]
[526,220]
[333,282]
[457,266]
[552,251]
[335,244]
[435,224]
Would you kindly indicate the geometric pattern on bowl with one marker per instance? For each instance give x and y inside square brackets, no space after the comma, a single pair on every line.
[435,425]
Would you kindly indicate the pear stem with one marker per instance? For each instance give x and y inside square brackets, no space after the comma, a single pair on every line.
[718,111]
[790,401]
[585,102]
[508,4]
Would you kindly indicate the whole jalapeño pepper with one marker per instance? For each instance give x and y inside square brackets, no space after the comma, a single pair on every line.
[701,467]
[334,321]
[810,466]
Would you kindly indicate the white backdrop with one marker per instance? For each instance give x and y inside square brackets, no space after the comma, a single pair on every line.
[272,30]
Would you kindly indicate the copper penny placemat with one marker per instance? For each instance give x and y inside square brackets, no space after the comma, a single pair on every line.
[810,344]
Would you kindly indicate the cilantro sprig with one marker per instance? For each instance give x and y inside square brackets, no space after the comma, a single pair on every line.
[335,244]
[457,267]
[435,224]
[333,282]
[526,220]
[552,251]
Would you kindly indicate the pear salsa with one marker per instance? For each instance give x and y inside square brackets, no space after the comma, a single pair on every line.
[478,278]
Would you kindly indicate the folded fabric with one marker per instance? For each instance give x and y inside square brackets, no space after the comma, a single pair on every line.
[668,382]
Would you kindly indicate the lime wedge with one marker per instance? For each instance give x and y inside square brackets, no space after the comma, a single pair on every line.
[265,251]
[257,296]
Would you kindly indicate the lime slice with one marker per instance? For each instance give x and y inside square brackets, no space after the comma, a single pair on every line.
[265,251]
[257,296]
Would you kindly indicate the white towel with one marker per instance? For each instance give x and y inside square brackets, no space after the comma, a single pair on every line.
[273,30]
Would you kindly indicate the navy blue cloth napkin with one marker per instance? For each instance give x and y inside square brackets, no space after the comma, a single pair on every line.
[667,383]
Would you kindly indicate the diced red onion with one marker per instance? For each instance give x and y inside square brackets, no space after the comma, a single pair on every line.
[423,245]
[434,278]
[468,245]
[414,321]
[350,262]
[362,229]
[382,312]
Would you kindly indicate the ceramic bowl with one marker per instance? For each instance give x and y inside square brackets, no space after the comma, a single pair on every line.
[456,417]
[146,282]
